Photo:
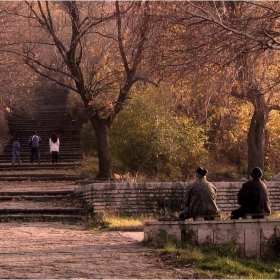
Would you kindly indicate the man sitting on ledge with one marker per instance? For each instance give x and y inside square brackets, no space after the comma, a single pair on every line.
[253,197]
[200,198]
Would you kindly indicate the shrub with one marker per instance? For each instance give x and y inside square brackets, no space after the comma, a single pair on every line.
[151,139]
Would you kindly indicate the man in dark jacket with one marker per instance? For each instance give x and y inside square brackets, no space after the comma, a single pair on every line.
[253,197]
[34,142]
[200,198]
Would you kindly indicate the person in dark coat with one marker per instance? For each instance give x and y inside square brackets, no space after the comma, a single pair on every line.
[253,197]
[200,198]
[34,142]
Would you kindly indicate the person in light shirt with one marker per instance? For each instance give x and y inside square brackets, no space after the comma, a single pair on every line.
[54,147]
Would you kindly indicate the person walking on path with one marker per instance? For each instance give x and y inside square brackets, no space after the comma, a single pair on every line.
[54,147]
[253,197]
[34,143]
[200,198]
[15,151]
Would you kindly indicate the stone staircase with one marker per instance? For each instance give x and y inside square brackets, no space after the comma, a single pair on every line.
[42,192]
[48,206]
[50,114]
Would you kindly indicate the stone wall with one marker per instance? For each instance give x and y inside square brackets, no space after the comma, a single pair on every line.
[159,197]
[252,237]
[227,195]
[129,198]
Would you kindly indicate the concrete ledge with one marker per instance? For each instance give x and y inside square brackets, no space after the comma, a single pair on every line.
[253,237]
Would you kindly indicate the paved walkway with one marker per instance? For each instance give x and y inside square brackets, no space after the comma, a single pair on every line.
[56,250]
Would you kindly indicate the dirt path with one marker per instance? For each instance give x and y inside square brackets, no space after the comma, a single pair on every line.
[56,250]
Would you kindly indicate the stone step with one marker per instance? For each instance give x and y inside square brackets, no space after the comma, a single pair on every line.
[39,172]
[54,205]
[42,197]
[46,153]
[55,121]
[50,123]
[36,119]
[43,160]
[66,136]
[67,145]
[29,166]
[70,148]
[64,144]
[45,131]
[39,177]
[66,140]
[36,193]
[41,218]
[30,198]
[45,136]
[39,118]
[63,132]
[42,211]
[45,156]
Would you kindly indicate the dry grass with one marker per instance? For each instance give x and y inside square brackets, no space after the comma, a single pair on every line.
[113,221]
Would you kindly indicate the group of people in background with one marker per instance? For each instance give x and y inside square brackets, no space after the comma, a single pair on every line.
[34,143]
[200,198]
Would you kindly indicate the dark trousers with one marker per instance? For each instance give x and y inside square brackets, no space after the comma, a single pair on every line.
[241,212]
[183,216]
[16,157]
[238,213]
[35,155]
[54,157]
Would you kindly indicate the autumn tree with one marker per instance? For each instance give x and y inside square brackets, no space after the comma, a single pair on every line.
[234,39]
[97,49]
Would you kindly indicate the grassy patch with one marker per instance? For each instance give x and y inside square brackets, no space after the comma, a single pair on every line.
[112,221]
[275,215]
[209,261]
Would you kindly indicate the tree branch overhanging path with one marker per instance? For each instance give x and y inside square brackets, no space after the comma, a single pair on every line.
[80,56]
[100,50]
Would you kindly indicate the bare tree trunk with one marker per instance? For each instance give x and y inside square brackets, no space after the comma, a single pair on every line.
[256,136]
[101,128]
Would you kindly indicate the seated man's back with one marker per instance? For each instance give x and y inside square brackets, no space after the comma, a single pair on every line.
[253,196]
[200,199]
